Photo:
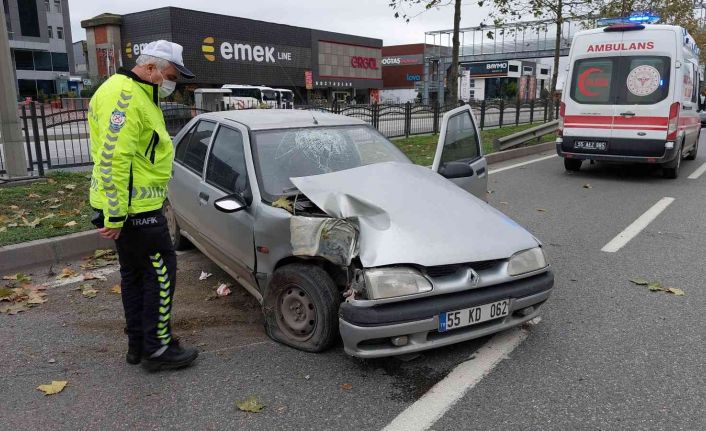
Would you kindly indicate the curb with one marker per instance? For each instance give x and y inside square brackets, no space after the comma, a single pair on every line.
[51,250]
[519,152]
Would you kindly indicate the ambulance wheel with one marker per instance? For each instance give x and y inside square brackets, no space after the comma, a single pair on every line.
[692,153]
[671,170]
[573,165]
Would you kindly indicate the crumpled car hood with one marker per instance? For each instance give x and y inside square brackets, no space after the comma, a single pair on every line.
[410,214]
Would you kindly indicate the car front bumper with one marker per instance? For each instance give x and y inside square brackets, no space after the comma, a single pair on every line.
[367,331]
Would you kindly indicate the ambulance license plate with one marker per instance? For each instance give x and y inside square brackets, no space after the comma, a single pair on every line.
[591,145]
[474,315]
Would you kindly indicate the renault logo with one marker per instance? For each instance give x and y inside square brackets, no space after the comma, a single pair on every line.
[473,277]
[208,48]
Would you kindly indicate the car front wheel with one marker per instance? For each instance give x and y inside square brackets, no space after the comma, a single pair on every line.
[301,308]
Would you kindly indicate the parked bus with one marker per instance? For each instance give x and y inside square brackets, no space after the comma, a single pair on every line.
[250,97]
[285,98]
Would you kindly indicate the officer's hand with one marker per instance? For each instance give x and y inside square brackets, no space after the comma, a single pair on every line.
[109,233]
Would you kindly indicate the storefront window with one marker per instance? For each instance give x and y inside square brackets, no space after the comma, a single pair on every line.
[42,60]
[23,60]
[60,61]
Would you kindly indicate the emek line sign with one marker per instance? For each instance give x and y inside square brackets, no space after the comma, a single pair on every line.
[244,51]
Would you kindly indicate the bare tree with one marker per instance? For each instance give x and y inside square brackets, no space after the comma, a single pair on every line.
[399,7]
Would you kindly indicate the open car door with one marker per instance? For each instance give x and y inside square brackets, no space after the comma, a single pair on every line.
[459,155]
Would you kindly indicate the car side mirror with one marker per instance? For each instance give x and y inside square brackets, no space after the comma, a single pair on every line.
[455,170]
[230,203]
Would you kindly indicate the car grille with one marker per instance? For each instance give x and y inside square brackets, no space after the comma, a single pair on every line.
[448,270]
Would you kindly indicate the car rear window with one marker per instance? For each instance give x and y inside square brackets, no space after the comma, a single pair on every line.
[632,80]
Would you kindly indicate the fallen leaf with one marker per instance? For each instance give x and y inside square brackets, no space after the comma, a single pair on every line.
[587,186]
[89,292]
[675,291]
[655,287]
[6,294]
[283,203]
[12,225]
[14,309]
[639,281]
[3,229]
[211,296]
[104,254]
[116,289]
[346,386]
[61,192]
[51,181]
[21,277]
[252,405]
[53,207]
[204,275]
[54,387]
[66,273]
[542,210]
[70,224]
[70,186]
[503,203]
[33,196]
[14,207]
[47,217]
[91,276]
[36,300]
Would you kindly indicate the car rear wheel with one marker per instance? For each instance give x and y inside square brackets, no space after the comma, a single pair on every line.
[180,243]
[301,308]
[573,165]
[671,170]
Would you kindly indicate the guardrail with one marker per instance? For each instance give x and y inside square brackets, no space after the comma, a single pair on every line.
[519,138]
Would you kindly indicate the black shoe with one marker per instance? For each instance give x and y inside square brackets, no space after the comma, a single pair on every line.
[173,358]
[133,355]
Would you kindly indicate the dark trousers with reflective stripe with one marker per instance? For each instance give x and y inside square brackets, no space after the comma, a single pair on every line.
[148,279]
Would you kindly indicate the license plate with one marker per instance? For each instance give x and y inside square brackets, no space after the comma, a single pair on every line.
[471,316]
[591,145]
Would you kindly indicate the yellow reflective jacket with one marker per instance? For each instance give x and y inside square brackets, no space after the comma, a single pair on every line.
[131,149]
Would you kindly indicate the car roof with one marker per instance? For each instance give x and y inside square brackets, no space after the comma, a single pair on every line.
[265,119]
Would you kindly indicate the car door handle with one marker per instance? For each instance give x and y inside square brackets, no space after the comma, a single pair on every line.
[480,171]
[204,197]
[627,114]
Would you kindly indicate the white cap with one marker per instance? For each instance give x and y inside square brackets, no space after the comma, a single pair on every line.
[169,51]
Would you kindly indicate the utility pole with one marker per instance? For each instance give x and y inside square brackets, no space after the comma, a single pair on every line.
[10,132]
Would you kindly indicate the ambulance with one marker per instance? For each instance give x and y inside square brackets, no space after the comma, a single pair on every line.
[631,95]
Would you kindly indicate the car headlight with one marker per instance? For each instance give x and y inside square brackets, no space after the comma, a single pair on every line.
[527,261]
[391,282]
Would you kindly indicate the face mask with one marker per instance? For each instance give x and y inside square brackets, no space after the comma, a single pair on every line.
[167,88]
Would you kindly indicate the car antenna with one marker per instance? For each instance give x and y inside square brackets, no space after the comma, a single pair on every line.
[316,122]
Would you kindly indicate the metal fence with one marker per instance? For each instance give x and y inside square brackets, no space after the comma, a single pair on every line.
[414,119]
[59,138]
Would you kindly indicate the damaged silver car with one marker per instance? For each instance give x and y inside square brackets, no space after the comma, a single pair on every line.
[335,231]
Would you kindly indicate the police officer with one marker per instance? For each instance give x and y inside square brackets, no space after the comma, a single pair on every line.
[132,153]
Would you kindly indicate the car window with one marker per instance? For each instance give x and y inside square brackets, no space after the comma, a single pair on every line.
[286,153]
[591,81]
[195,152]
[461,140]
[630,80]
[226,162]
[182,144]
[647,80]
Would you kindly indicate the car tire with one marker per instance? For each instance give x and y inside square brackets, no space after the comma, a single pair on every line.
[695,150]
[180,243]
[671,170]
[573,165]
[301,308]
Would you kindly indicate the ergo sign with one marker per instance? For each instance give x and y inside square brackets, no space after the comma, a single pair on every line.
[364,62]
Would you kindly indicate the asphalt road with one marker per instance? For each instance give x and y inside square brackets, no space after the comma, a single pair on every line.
[607,355]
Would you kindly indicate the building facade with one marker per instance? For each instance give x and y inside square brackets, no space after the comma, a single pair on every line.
[402,73]
[318,66]
[506,79]
[40,46]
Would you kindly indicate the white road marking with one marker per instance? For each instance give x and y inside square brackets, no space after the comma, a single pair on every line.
[439,399]
[517,165]
[698,172]
[637,226]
